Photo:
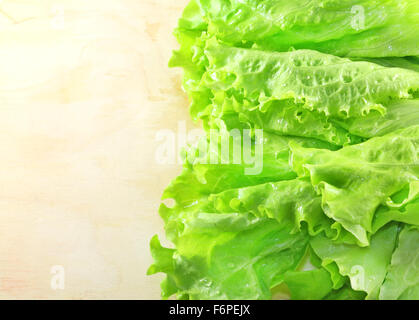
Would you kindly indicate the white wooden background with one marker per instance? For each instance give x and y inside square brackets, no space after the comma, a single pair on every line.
[84,88]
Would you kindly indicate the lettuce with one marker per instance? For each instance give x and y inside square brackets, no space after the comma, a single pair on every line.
[366,267]
[228,256]
[350,176]
[345,28]
[334,86]
[308,285]
[326,206]
[402,281]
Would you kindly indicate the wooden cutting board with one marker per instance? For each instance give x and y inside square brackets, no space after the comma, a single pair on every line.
[84,93]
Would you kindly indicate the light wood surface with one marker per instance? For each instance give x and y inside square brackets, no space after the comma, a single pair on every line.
[84,89]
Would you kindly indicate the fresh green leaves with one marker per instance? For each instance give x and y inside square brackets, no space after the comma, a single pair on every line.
[402,281]
[228,256]
[334,85]
[368,173]
[365,267]
[345,28]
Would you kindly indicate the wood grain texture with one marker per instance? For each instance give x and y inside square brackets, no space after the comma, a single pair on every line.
[84,88]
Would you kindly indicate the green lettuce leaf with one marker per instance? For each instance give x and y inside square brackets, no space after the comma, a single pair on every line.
[294,201]
[344,28]
[400,114]
[401,207]
[367,174]
[228,256]
[402,281]
[346,293]
[334,86]
[366,267]
[308,285]
[326,96]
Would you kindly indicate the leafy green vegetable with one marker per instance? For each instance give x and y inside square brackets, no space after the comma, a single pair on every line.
[345,28]
[293,201]
[331,85]
[400,114]
[348,177]
[308,285]
[402,281]
[311,118]
[366,267]
[346,293]
[228,256]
